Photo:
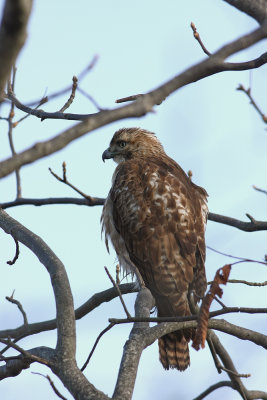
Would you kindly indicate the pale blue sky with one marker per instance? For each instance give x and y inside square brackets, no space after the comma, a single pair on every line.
[207,127]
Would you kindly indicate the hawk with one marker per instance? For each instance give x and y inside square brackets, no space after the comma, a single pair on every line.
[155,217]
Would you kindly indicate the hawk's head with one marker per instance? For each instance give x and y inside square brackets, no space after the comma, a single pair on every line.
[129,143]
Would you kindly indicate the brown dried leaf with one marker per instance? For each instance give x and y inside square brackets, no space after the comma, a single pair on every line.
[221,277]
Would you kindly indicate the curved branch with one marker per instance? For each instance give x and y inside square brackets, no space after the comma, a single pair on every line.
[214,64]
[214,387]
[64,364]
[12,36]
[60,283]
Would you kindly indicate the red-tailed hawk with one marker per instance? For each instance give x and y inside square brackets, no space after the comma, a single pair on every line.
[155,218]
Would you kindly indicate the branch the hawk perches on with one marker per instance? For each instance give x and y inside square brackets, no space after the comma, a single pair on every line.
[155,217]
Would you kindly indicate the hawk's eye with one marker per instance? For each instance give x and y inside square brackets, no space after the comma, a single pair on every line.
[122,143]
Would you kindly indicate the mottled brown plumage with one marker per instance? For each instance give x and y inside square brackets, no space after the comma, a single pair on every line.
[155,218]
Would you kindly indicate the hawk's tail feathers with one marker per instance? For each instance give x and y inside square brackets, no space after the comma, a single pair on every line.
[174,351]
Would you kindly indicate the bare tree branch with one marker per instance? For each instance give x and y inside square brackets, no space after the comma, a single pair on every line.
[228,363]
[95,301]
[259,189]
[16,256]
[214,387]
[247,283]
[252,101]
[19,305]
[80,76]
[197,37]
[212,314]
[119,293]
[251,226]
[64,363]
[133,348]
[63,296]
[12,36]
[14,366]
[110,326]
[10,133]
[64,179]
[72,95]
[214,64]
[257,9]
[94,201]
[51,384]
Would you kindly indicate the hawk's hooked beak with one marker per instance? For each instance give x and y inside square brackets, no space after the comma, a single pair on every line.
[106,155]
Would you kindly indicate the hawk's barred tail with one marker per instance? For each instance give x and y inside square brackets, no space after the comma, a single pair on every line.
[174,352]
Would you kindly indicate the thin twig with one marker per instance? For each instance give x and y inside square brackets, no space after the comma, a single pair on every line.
[252,101]
[81,75]
[11,86]
[96,342]
[51,384]
[41,102]
[197,37]
[94,201]
[241,259]
[247,282]
[226,310]
[259,189]
[97,201]
[72,95]
[90,98]
[65,180]
[235,373]
[19,305]
[213,353]
[119,292]
[129,98]
[219,301]
[16,256]
[118,268]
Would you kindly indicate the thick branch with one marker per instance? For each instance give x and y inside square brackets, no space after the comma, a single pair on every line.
[138,108]
[133,348]
[64,302]
[257,9]
[12,35]
[64,365]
